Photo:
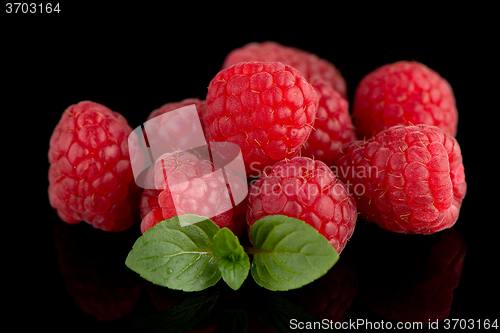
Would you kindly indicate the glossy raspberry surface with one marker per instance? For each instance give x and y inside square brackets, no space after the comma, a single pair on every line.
[307,190]
[403,93]
[266,108]
[308,64]
[333,126]
[408,179]
[90,176]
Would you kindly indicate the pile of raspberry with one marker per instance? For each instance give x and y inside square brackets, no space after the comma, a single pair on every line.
[391,159]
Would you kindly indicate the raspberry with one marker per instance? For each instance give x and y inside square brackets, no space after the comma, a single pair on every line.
[307,190]
[174,127]
[149,201]
[90,176]
[171,132]
[407,178]
[308,64]
[151,212]
[200,106]
[266,108]
[403,93]
[333,126]
[186,183]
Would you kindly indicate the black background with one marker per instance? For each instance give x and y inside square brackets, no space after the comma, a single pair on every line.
[135,59]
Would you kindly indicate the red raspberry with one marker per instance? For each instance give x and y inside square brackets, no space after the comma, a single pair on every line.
[187,183]
[90,176]
[200,106]
[174,127]
[266,108]
[149,201]
[151,212]
[407,178]
[403,93]
[151,219]
[308,64]
[333,126]
[307,190]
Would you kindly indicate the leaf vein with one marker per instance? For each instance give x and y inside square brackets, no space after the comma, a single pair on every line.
[201,270]
[282,239]
[280,266]
[268,270]
[267,236]
[192,242]
[187,266]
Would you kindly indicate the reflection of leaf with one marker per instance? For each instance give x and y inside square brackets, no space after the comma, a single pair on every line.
[277,312]
[234,263]
[182,317]
[232,321]
[177,257]
[288,253]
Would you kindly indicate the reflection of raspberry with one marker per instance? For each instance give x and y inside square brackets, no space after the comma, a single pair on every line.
[333,126]
[90,177]
[415,283]
[309,65]
[403,93]
[95,275]
[331,295]
[407,178]
[307,190]
[187,183]
[266,108]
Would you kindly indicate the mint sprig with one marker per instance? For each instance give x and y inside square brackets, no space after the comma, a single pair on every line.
[195,253]
[234,263]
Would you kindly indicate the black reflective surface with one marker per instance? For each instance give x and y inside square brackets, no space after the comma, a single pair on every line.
[381,278]
[72,278]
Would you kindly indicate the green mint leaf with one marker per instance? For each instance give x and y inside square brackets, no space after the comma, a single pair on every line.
[288,253]
[234,263]
[175,256]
